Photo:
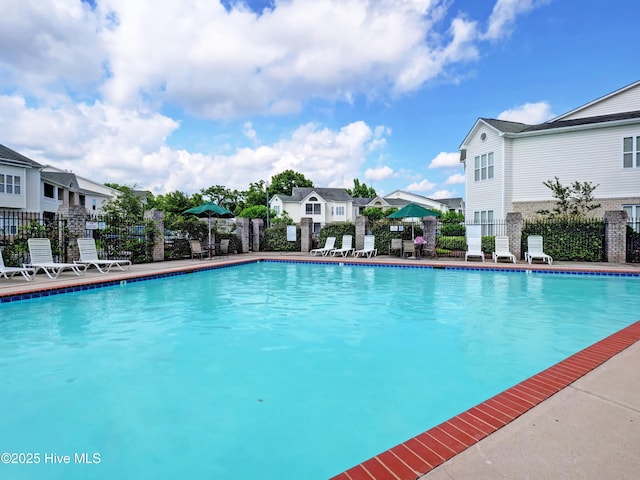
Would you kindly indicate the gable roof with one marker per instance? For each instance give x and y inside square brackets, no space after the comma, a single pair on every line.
[12,157]
[62,179]
[328,194]
[598,100]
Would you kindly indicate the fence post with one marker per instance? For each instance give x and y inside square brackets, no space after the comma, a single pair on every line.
[157,217]
[616,236]
[75,219]
[242,234]
[258,232]
[429,227]
[514,232]
[306,234]
[362,224]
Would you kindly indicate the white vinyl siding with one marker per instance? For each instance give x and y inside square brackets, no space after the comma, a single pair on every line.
[627,101]
[484,194]
[591,155]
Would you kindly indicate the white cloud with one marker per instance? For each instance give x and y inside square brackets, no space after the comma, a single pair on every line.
[529,113]
[423,186]
[107,144]
[217,63]
[504,14]
[379,173]
[445,160]
[444,194]
[455,179]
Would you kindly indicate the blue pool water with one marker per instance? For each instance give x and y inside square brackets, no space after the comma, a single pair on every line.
[276,370]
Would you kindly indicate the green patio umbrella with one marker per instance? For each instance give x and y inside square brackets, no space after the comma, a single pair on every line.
[413,210]
[210,210]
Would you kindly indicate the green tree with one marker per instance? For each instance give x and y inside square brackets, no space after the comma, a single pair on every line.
[285,182]
[126,204]
[573,200]
[376,213]
[360,190]
[223,196]
[256,195]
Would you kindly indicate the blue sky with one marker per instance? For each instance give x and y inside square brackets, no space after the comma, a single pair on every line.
[184,94]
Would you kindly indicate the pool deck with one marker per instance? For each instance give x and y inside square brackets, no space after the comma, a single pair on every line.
[579,419]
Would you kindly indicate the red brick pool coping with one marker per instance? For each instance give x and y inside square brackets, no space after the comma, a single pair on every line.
[422,453]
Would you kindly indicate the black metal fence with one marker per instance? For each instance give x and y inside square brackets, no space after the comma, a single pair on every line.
[633,241]
[569,238]
[116,237]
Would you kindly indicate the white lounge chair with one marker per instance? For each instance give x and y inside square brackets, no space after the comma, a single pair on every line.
[329,245]
[502,250]
[346,248]
[535,250]
[474,249]
[9,272]
[369,247]
[42,259]
[89,257]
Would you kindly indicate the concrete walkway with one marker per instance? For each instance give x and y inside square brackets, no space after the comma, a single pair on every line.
[588,430]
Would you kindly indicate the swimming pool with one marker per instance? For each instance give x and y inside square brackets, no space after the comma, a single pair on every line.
[278,370]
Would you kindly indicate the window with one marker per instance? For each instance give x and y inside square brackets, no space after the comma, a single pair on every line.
[312,208]
[82,200]
[9,226]
[631,151]
[633,216]
[277,209]
[483,167]
[337,211]
[48,190]
[484,218]
[10,184]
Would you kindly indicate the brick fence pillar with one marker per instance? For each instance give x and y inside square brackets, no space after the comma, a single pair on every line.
[429,227]
[362,225]
[514,232]
[75,216]
[258,232]
[616,236]
[157,217]
[242,234]
[306,234]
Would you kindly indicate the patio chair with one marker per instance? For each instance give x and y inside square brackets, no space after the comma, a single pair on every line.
[89,257]
[346,248]
[474,248]
[329,245]
[196,249]
[369,248]
[42,259]
[408,247]
[535,250]
[9,272]
[395,246]
[502,250]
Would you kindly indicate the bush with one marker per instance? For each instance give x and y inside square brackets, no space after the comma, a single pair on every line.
[276,239]
[451,243]
[569,238]
[381,230]
[452,230]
